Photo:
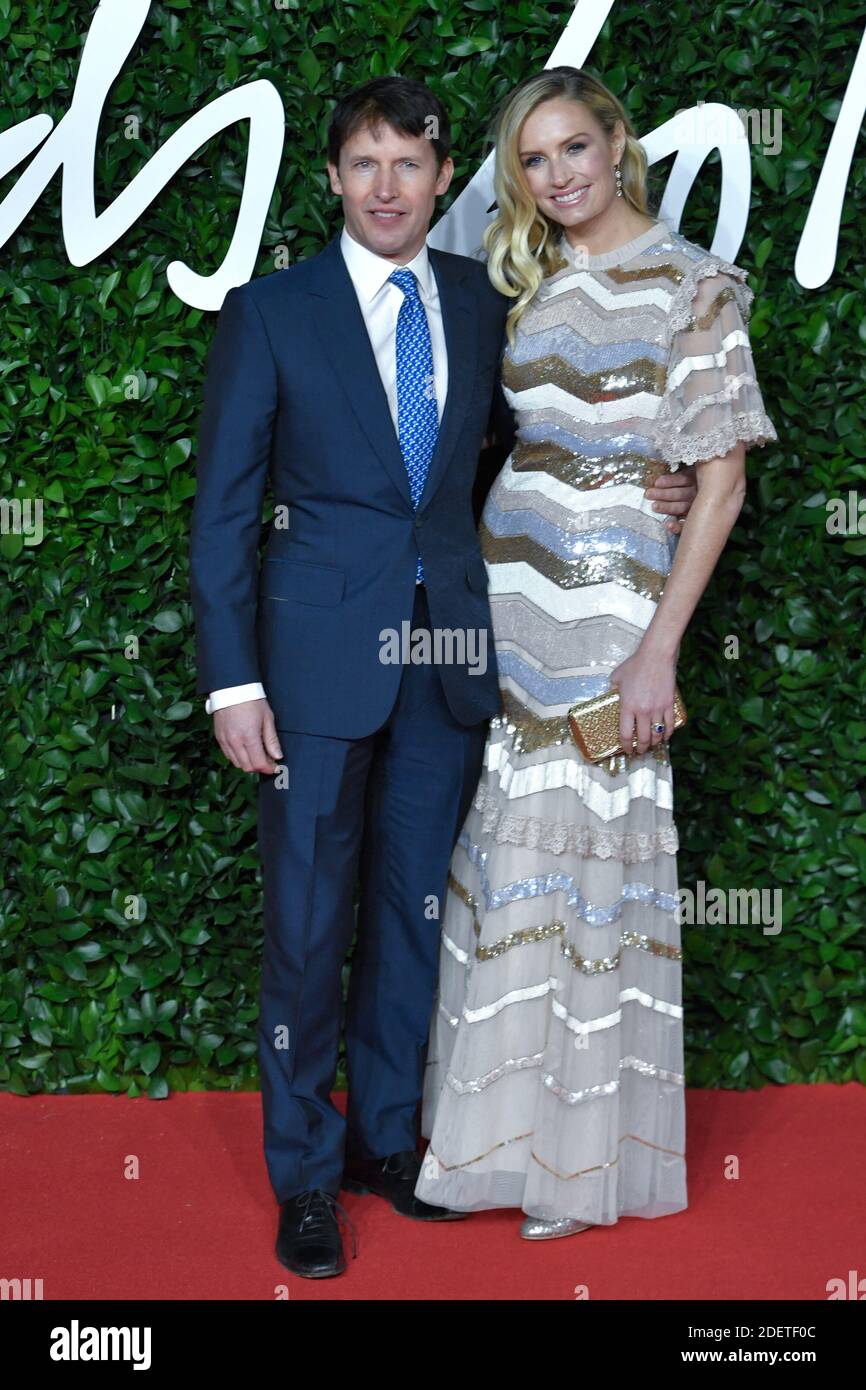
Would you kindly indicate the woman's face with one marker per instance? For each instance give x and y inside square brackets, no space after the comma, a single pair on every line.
[567,161]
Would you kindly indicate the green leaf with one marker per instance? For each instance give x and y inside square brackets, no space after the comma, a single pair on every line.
[181,709]
[149,1057]
[100,838]
[97,388]
[169,620]
[465,48]
[89,1020]
[309,67]
[763,252]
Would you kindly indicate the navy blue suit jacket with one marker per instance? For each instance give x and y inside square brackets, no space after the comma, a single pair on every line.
[293,392]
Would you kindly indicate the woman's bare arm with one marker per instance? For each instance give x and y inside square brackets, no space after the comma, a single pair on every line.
[646,679]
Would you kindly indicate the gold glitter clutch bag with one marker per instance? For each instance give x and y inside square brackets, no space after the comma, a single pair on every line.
[594,724]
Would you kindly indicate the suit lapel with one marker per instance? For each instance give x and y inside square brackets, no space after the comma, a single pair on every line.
[460,323]
[343,333]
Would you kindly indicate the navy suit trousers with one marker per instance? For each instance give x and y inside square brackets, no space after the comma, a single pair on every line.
[381,812]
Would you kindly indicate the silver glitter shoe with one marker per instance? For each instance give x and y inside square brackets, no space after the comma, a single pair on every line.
[533,1228]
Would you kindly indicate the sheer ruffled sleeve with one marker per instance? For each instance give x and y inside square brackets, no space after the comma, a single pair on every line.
[711,397]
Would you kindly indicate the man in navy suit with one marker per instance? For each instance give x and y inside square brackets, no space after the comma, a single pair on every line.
[362,382]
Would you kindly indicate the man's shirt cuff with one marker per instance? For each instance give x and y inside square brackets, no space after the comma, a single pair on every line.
[233,695]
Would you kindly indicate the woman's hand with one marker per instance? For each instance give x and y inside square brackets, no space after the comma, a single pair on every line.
[646,687]
[674,493]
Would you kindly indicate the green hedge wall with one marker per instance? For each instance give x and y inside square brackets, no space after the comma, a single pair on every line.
[130,898]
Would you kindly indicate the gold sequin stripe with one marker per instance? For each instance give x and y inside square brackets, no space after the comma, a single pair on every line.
[606,568]
[563,264]
[464,895]
[596,1168]
[667,271]
[518,938]
[545,930]
[449,1167]
[530,732]
[585,474]
[607,963]
[674,274]
[609,384]
[708,318]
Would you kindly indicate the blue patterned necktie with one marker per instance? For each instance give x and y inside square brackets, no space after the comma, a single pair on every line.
[417,415]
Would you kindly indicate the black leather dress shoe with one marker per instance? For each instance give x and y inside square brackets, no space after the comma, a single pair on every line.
[394,1178]
[308,1239]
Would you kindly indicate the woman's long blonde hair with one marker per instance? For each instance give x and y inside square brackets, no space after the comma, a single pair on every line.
[521,241]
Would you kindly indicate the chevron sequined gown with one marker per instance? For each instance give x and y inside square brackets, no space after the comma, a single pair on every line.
[554,1078]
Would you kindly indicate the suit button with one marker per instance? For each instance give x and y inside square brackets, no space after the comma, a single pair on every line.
[418,522]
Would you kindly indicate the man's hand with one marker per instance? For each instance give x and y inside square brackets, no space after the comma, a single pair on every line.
[674,494]
[247,735]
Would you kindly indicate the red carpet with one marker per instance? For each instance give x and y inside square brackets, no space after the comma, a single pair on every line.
[199,1220]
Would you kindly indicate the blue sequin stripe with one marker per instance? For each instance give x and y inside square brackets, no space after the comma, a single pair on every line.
[556,882]
[571,545]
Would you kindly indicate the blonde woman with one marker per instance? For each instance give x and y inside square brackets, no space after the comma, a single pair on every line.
[555,1066]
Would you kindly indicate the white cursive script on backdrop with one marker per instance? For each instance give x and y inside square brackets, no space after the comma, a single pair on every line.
[113,31]
[72,146]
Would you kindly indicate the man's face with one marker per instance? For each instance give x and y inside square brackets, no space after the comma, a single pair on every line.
[389,184]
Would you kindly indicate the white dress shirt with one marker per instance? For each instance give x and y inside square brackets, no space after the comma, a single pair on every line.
[380,304]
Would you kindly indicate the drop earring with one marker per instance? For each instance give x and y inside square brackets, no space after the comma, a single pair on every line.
[618,180]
